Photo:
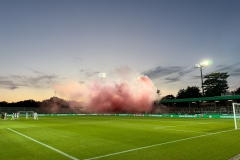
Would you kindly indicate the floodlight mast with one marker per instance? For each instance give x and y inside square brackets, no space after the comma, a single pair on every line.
[200,66]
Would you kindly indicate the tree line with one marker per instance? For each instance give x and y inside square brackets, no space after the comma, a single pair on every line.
[52,102]
[215,84]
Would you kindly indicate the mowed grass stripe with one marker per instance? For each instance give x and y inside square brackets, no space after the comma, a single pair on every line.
[160,144]
[87,137]
[54,149]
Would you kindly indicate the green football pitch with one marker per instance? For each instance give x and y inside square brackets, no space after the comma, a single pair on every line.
[118,138]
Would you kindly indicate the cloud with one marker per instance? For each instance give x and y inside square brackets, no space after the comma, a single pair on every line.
[16,81]
[8,84]
[186,71]
[162,71]
[172,79]
[81,82]
[227,68]
[36,71]
[235,72]
[41,81]
[196,77]
[76,60]
[173,73]
[88,73]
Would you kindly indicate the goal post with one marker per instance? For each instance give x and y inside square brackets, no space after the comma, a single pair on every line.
[236,115]
[26,113]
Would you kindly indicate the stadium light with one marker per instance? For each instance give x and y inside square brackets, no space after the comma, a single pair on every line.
[200,66]
[102,75]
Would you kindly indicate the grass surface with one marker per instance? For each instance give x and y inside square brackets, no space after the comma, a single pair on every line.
[117,138]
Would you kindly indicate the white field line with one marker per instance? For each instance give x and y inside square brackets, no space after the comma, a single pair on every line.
[190,124]
[183,130]
[160,144]
[54,149]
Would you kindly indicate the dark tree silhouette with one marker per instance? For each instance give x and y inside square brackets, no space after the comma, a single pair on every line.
[215,84]
[190,92]
[170,96]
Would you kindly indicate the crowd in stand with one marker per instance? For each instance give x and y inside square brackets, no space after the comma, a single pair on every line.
[202,110]
[193,109]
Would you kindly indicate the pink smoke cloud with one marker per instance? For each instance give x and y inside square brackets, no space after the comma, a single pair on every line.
[124,92]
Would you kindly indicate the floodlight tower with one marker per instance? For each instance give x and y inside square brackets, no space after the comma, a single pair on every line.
[200,66]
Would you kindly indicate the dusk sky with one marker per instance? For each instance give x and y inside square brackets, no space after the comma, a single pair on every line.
[44,43]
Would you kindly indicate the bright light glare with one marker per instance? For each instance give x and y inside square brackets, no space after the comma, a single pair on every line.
[205,63]
[102,75]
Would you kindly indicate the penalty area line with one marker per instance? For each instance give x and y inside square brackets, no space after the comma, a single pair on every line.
[54,149]
[155,145]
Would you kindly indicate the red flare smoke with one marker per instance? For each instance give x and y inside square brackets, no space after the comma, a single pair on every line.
[134,95]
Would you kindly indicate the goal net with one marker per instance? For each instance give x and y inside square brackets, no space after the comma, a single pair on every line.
[236,115]
[26,114]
